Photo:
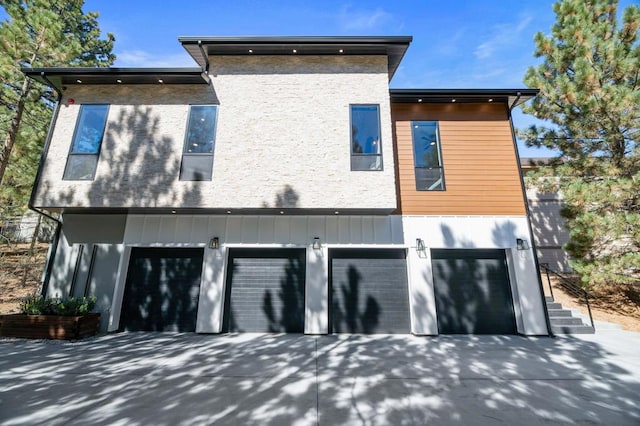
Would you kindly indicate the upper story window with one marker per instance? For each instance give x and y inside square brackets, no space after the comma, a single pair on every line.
[197,154]
[87,139]
[366,149]
[427,156]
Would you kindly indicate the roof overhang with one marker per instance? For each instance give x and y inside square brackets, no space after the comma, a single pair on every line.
[59,78]
[200,48]
[511,97]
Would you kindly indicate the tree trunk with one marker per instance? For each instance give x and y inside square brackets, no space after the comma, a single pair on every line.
[12,135]
[34,237]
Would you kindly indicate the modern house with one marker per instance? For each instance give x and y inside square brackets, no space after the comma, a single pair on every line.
[281,186]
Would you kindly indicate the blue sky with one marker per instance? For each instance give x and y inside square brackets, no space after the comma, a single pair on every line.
[456,44]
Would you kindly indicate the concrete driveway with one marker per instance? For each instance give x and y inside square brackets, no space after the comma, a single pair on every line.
[257,379]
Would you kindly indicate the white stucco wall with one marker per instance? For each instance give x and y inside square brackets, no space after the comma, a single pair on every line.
[299,231]
[469,232]
[66,256]
[282,139]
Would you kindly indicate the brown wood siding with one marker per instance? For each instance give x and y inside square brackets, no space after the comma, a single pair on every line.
[479,160]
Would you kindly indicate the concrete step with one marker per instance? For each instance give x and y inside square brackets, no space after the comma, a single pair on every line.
[563,321]
[572,329]
[559,313]
[566,321]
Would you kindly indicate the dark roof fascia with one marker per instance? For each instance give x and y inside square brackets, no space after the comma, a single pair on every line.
[511,97]
[394,47]
[290,40]
[228,211]
[59,77]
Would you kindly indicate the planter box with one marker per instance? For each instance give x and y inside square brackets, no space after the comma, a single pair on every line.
[49,326]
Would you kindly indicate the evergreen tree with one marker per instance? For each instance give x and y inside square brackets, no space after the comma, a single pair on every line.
[38,33]
[589,85]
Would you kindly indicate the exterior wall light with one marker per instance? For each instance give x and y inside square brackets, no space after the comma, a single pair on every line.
[522,244]
[316,243]
[214,243]
[419,244]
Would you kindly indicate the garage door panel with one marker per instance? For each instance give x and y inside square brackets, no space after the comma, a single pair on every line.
[162,290]
[369,292]
[265,291]
[473,294]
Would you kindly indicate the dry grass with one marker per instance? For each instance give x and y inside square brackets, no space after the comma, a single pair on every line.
[20,273]
[616,304]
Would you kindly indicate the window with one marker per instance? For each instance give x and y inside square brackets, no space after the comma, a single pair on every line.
[427,156]
[197,155]
[85,147]
[366,150]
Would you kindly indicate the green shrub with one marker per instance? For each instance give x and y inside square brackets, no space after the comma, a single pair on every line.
[35,305]
[66,306]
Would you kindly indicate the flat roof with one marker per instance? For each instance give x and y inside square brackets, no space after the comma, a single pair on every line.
[511,97]
[394,47]
[58,77]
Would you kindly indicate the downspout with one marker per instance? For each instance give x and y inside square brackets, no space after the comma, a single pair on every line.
[528,212]
[54,244]
[51,255]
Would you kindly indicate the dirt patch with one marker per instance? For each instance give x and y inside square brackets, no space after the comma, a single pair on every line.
[20,273]
[619,304]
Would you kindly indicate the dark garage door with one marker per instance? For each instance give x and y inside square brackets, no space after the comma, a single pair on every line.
[369,292]
[162,289]
[265,291]
[472,290]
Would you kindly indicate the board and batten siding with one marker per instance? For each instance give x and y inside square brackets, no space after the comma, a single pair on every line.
[479,160]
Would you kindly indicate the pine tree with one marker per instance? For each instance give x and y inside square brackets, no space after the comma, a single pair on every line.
[38,33]
[589,85]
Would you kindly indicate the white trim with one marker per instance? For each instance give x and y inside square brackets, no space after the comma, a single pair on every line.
[421,296]
[223,293]
[410,300]
[118,292]
[316,291]
[515,295]
[410,289]
[207,305]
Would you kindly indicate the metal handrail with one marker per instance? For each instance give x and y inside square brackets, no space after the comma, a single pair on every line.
[570,287]
[545,266]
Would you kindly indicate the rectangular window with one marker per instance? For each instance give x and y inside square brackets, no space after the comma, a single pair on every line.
[87,139]
[366,149]
[427,156]
[197,155]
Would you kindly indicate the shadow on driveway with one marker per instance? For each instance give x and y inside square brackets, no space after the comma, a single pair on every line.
[163,378]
